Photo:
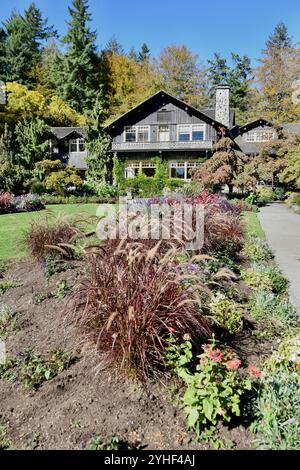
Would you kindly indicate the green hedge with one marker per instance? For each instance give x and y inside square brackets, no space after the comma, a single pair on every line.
[49,199]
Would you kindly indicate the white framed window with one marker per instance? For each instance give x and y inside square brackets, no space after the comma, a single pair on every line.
[77,146]
[137,134]
[132,169]
[191,132]
[261,136]
[183,170]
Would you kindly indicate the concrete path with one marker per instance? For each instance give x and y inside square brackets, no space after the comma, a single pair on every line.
[282,229]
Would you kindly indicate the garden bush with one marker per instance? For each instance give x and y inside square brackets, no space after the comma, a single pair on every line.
[130,302]
[265,277]
[7,321]
[226,313]
[257,250]
[277,410]
[214,391]
[266,195]
[26,203]
[53,237]
[51,199]
[276,314]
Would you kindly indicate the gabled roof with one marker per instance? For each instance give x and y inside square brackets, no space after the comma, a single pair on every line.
[252,125]
[163,97]
[63,132]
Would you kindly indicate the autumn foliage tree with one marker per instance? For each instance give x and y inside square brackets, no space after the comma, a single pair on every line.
[225,167]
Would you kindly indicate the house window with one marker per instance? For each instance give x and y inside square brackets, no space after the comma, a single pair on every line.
[183,170]
[191,132]
[143,134]
[164,116]
[132,169]
[260,136]
[137,134]
[184,133]
[77,145]
[130,134]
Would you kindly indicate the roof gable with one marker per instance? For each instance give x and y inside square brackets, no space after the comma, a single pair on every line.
[161,99]
[254,124]
[66,132]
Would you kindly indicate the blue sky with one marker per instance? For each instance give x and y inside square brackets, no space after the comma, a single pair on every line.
[204,26]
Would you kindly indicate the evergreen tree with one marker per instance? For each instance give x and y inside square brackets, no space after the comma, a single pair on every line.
[23,44]
[98,146]
[280,38]
[133,55]
[114,47]
[144,54]
[2,54]
[79,71]
[19,56]
[277,73]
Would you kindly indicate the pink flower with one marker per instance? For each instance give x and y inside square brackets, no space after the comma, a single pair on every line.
[254,371]
[216,356]
[234,364]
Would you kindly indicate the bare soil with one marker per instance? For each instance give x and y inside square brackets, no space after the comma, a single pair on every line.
[83,401]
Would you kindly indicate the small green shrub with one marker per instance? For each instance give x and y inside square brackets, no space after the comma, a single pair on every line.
[31,370]
[266,195]
[257,250]
[8,321]
[53,267]
[41,297]
[5,444]
[287,356]
[226,313]
[256,279]
[3,268]
[265,277]
[98,443]
[214,390]
[277,411]
[7,285]
[62,289]
[273,312]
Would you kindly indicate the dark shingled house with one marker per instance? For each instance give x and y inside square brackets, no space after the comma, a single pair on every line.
[68,146]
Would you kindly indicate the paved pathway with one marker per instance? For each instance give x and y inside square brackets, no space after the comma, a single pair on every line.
[282,228]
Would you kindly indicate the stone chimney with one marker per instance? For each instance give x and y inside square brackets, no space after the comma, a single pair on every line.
[2,93]
[222,105]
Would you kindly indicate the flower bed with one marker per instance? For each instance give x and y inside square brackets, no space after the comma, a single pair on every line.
[27,203]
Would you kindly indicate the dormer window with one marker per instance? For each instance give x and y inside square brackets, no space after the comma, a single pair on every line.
[77,145]
[260,136]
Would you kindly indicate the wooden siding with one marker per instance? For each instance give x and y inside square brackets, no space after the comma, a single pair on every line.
[177,116]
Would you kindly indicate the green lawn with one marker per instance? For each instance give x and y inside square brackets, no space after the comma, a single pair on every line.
[253,224]
[12,227]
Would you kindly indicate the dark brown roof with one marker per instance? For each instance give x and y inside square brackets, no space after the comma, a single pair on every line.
[63,132]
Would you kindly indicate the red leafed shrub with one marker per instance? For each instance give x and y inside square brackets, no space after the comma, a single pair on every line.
[6,203]
[223,232]
[130,302]
[46,238]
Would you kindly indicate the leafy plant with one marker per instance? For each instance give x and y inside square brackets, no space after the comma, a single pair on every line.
[256,279]
[4,442]
[226,313]
[7,285]
[62,289]
[257,250]
[31,370]
[41,297]
[265,195]
[98,443]
[7,320]
[274,313]
[287,356]
[53,267]
[130,301]
[277,411]
[214,390]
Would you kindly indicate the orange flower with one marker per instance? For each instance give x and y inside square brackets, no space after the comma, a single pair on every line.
[234,364]
[216,356]
[254,371]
